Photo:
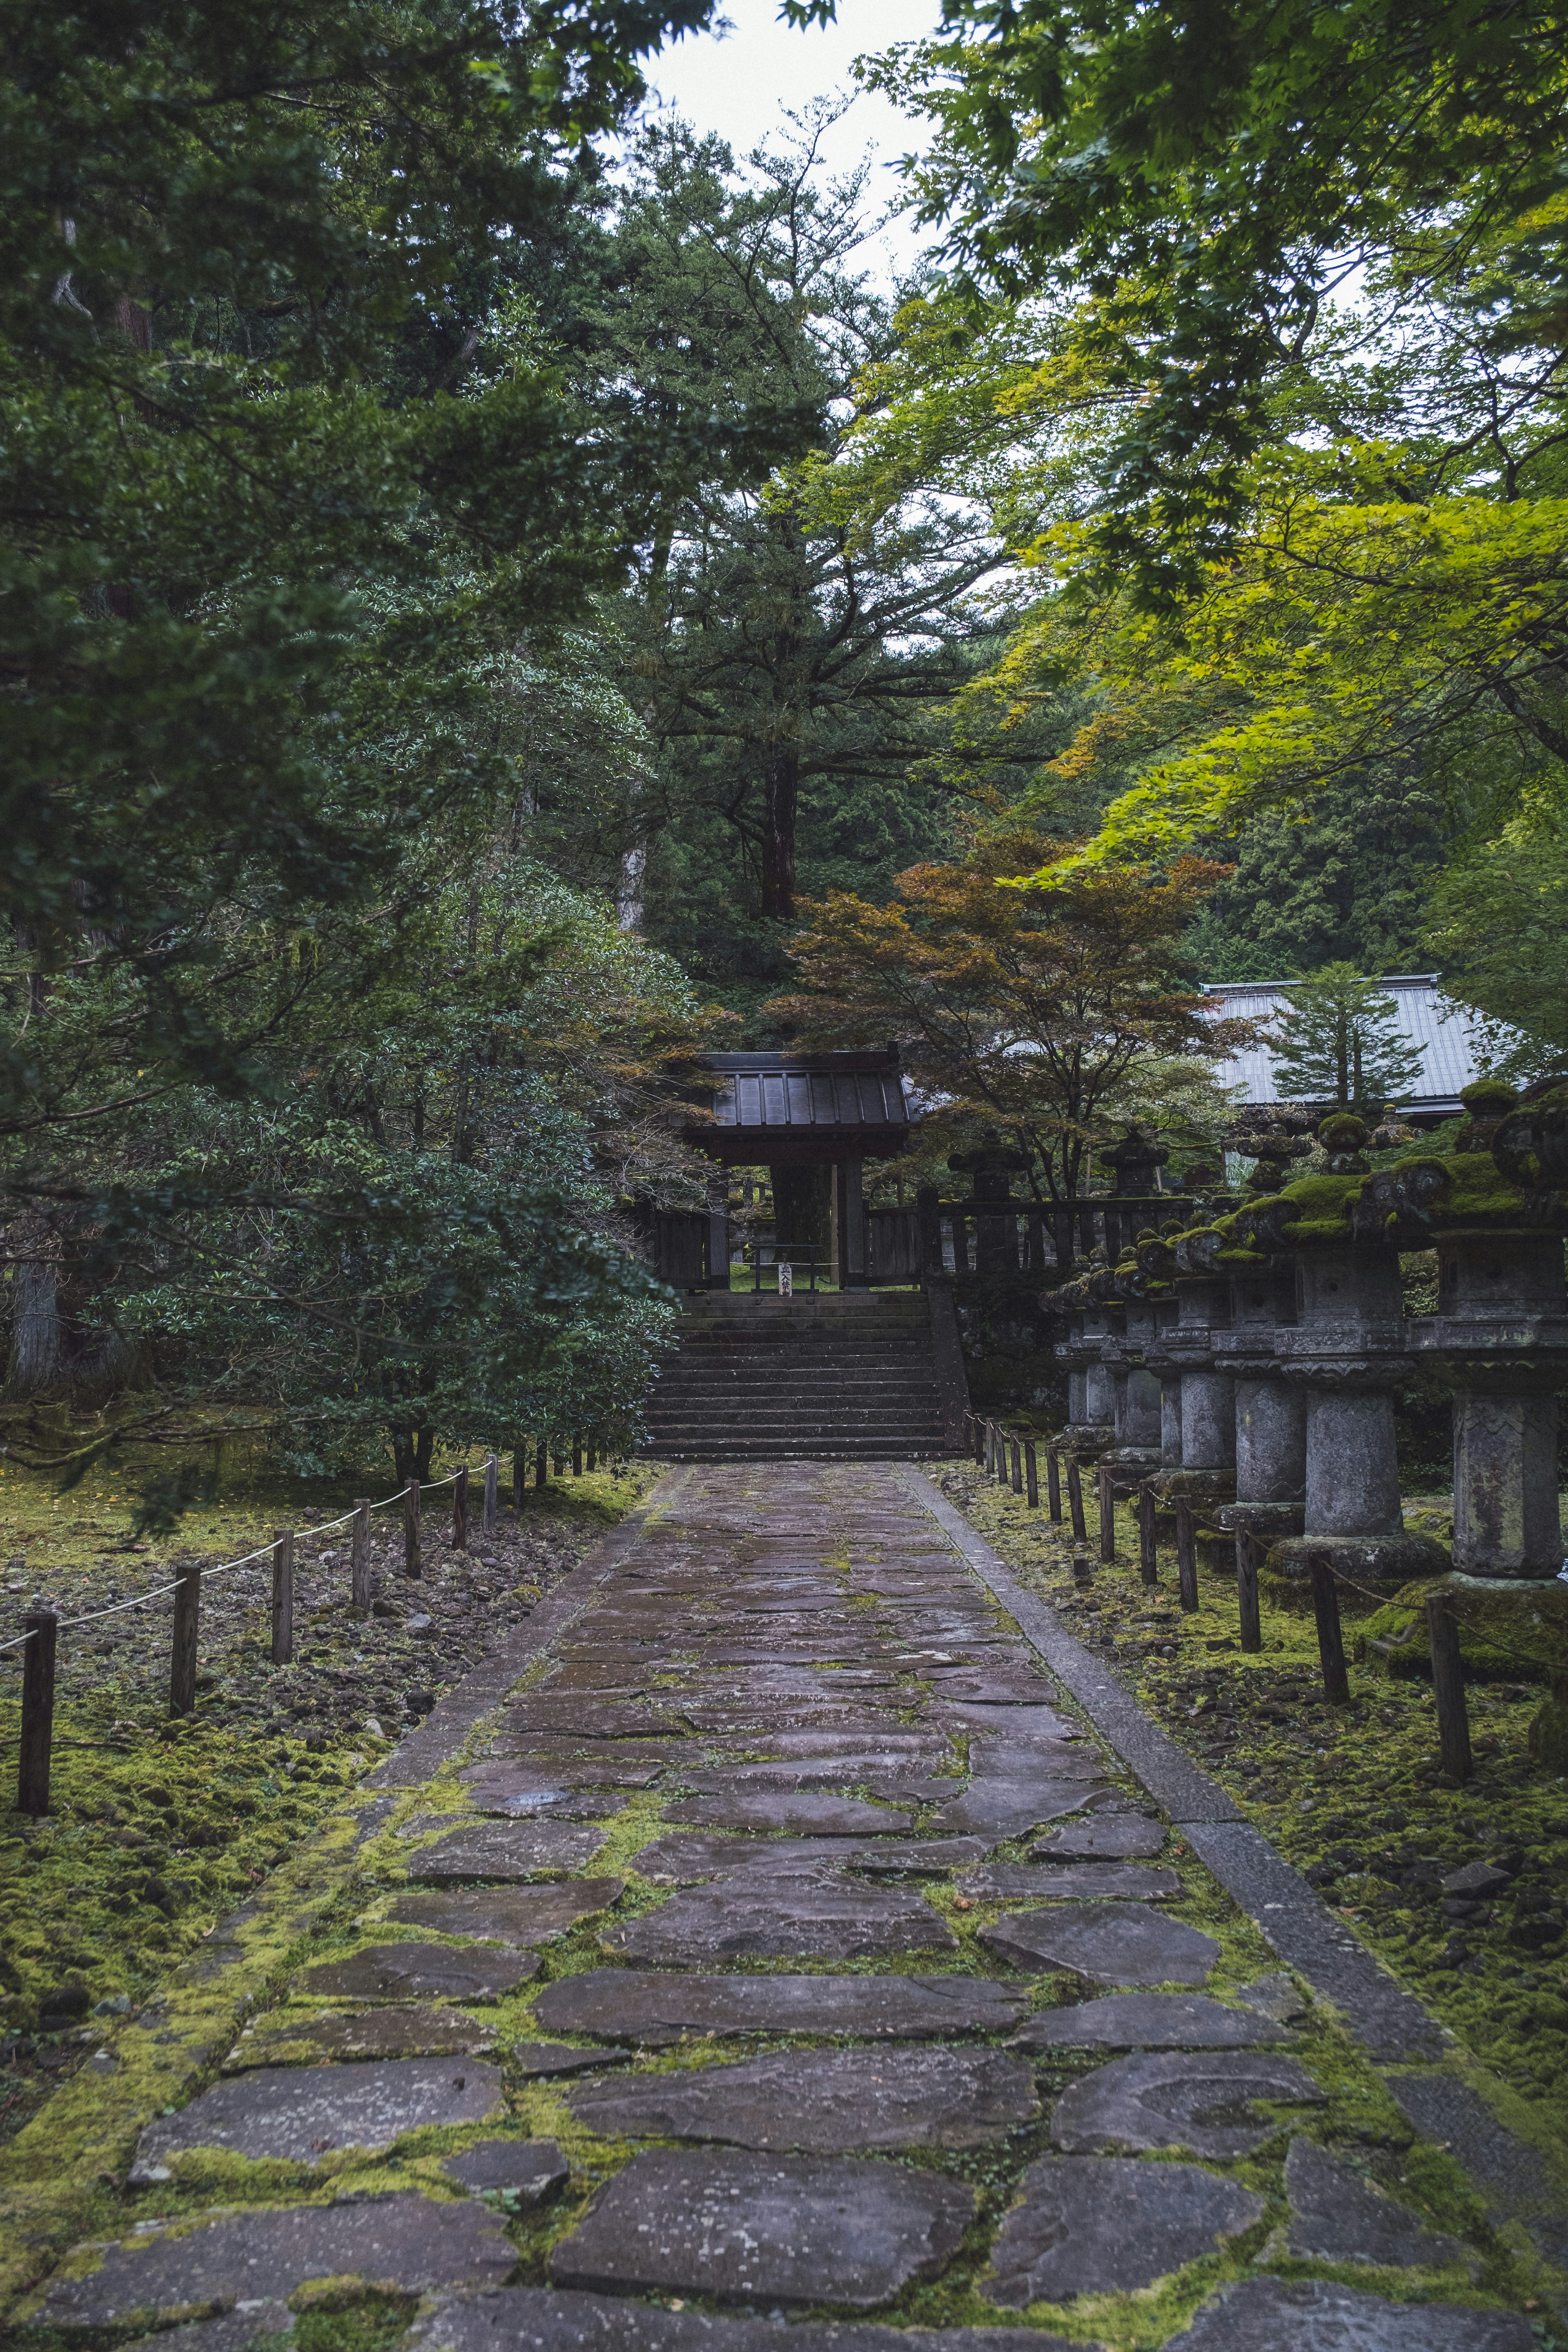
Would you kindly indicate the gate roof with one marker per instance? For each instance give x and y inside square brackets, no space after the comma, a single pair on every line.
[790,1110]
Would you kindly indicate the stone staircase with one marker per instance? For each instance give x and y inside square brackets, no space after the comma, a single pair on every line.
[826,1378]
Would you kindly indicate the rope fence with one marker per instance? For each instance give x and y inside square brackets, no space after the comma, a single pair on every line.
[42,1627]
[998,1452]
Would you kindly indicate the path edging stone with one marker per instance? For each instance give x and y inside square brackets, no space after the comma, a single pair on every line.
[1511,2174]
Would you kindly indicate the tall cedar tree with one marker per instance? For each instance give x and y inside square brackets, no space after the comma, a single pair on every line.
[1338,1044]
[777,651]
[1025,1009]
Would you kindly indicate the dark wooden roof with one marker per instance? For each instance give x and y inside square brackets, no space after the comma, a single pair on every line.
[784,1108]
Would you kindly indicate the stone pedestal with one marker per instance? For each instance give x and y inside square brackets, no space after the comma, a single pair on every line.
[1207,1470]
[1500,1340]
[1270,1413]
[1348,1348]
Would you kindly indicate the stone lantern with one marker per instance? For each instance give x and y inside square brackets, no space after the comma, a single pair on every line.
[1092,1394]
[1207,1474]
[1137,1391]
[1347,1350]
[991,1169]
[1157,1266]
[1270,1411]
[1498,1341]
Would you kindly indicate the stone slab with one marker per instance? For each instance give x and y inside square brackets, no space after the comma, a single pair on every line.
[1108,1943]
[536,2060]
[995,1758]
[1128,1881]
[657,2011]
[505,1850]
[585,1719]
[1179,2099]
[883,1741]
[788,1774]
[522,2173]
[533,1915]
[527,1795]
[1006,1809]
[1268,2315]
[811,1814]
[822,2102]
[297,2114]
[687,1857]
[406,1971]
[1105,2225]
[404,2242]
[535,2319]
[1148,2021]
[917,1857]
[1338,2216]
[409,2030]
[1103,1837]
[765,2229]
[508,1764]
[819,1915]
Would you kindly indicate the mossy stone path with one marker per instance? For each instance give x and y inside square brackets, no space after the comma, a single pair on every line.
[772,2057]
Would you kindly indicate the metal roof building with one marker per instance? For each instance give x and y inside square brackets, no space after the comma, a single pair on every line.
[1447,1036]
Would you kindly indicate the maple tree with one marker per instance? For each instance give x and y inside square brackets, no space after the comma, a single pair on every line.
[1029,1009]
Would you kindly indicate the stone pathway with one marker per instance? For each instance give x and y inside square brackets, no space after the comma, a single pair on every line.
[781,1961]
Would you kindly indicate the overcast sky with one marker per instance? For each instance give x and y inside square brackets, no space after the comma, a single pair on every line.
[737,84]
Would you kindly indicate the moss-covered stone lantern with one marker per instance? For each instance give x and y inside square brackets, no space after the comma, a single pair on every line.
[1091,1395]
[1347,1350]
[1495,1214]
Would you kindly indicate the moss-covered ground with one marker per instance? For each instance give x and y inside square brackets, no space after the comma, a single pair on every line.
[156,1827]
[1352,1794]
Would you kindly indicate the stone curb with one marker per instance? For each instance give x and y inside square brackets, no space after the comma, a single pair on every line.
[1513,2179]
[79,2145]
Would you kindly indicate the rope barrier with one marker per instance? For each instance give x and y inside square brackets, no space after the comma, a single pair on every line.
[225,1567]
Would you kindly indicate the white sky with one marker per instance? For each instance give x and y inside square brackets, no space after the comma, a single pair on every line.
[736,85]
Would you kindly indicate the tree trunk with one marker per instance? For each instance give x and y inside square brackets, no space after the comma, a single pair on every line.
[781,786]
[34,1361]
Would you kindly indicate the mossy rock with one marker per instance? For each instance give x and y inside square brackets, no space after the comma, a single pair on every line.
[1508,1632]
[1315,1208]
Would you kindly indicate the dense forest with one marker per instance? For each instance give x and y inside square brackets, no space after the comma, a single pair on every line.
[503,598]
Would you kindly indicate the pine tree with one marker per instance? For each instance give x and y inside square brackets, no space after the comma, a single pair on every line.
[1338,1044]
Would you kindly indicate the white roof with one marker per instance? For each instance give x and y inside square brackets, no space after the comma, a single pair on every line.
[1448,1037]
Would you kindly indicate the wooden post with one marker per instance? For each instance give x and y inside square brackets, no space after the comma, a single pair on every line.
[1031,1476]
[460,1510]
[519,1475]
[576,1458]
[1075,1501]
[1053,1487]
[38,1712]
[1017,1466]
[182,1651]
[412,1558]
[541,1464]
[1247,1590]
[1331,1647]
[1107,1513]
[592,1457]
[282,1595]
[492,1484]
[359,1558]
[968,1432]
[978,1427]
[1187,1556]
[1148,1556]
[1448,1689]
